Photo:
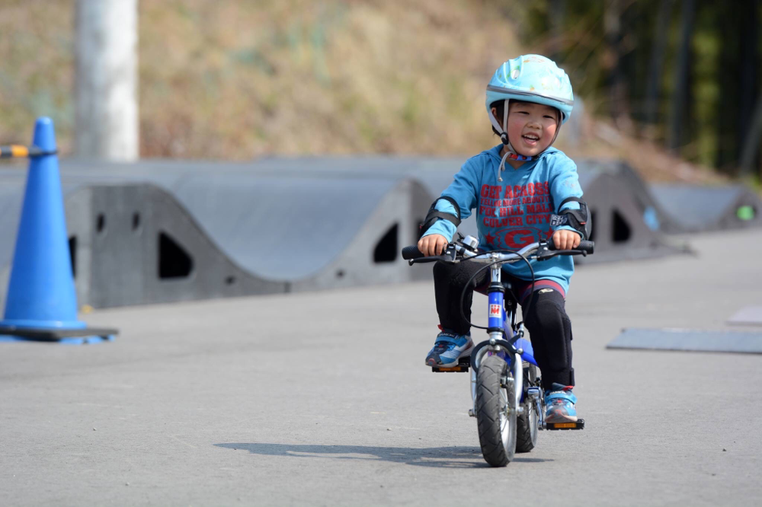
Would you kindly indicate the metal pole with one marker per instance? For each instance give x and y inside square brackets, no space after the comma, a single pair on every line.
[106,81]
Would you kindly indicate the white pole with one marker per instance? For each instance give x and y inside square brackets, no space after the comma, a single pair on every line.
[106,80]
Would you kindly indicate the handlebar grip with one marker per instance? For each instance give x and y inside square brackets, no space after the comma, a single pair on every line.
[586,246]
[411,252]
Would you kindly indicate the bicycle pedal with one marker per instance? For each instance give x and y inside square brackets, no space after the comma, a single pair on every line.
[579,425]
[463,365]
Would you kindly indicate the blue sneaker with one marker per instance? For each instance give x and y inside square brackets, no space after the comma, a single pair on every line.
[559,404]
[448,349]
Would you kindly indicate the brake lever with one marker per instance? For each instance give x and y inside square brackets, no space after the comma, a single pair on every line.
[544,252]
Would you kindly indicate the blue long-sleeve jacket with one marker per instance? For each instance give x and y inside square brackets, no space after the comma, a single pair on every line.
[515,212]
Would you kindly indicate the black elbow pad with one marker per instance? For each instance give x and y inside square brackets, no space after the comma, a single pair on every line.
[577,219]
[434,214]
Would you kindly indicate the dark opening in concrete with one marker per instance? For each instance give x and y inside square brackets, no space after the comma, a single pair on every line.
[73,255]
[621,229]
[100,223]
[386,248]
[174,260]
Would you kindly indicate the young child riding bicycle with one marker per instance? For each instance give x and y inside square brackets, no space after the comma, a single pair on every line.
[523,191]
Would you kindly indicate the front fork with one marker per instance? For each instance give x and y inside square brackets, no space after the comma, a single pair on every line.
[499,329]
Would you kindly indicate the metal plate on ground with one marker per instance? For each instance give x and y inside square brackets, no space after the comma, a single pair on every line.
[747,316]
[688,340]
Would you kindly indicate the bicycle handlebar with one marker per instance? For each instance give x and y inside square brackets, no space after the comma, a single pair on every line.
[585,247]
[546,248]
[411,252]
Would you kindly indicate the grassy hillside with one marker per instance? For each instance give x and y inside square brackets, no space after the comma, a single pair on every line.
[233,80]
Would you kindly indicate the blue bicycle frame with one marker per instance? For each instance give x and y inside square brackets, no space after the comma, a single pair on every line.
[505,339]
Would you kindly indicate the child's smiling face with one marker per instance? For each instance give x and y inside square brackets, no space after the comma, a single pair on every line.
[531,127]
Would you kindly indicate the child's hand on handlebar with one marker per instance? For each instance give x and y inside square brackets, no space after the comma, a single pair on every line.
[434,244]
[566,240]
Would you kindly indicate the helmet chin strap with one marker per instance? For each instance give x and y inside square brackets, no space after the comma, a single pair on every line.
[510,152]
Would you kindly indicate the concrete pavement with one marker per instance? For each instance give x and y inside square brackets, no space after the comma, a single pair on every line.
[322,399]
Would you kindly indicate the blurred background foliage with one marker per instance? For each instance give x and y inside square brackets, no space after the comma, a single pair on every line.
[683,73]
[667,84]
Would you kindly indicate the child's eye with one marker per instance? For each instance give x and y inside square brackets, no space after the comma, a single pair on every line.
[549,117]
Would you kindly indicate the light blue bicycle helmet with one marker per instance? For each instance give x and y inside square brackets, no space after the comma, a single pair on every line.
[529,78]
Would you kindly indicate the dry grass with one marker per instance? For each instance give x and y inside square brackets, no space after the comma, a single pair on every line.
[233,80]
[36,69]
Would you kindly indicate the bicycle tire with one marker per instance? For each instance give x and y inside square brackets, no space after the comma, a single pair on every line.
[495,412]
[528,423]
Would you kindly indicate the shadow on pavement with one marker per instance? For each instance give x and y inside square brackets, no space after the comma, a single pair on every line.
[439,457]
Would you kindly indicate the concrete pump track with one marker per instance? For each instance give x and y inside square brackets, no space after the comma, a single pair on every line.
[164,231]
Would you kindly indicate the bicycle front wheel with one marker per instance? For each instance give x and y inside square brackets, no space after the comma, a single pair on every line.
[496,411]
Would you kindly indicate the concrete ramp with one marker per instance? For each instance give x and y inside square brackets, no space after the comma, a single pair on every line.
[294,220]
[132,244]
[163,231]
[675,208]
[135,244]
[313,228]
[156,232]
[693,208]
[619,229]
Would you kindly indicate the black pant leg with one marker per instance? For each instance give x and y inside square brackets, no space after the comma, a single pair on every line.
[551,334]
[449,281]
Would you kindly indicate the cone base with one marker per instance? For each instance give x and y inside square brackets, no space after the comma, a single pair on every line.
[64,341]
[56,334]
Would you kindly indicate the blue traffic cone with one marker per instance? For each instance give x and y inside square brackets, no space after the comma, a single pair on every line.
[41,303]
